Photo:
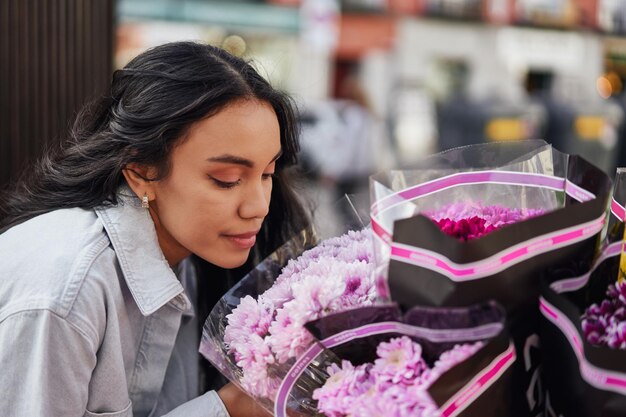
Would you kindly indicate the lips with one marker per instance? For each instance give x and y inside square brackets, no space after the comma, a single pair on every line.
[243,240]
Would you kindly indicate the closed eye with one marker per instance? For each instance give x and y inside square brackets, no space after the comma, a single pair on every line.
[225,184]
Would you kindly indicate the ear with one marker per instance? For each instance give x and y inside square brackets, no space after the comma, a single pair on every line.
[140,179]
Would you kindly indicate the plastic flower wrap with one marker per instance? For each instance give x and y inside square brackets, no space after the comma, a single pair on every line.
[583,328]
[487,222]
[503,206]
[604,321]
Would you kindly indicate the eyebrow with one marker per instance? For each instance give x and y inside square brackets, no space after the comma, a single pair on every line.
[237,160]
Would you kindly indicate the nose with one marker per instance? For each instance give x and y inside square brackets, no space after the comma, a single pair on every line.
[256,201]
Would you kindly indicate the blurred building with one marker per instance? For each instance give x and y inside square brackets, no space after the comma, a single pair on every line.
[434,73]
[291,46]
[439,73]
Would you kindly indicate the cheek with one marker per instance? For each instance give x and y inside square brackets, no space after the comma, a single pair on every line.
[194,213]
[206,216]
[268,191]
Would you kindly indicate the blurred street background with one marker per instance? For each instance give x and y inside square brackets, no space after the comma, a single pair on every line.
[379,83]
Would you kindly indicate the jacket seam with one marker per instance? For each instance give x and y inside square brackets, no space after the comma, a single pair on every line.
[139,358]
[74,326]
[83,266]
[60,307]
[80,272]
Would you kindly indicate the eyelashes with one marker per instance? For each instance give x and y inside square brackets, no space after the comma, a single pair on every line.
[231,184]
[224,184]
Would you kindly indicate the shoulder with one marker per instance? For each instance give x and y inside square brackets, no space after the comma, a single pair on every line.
[54,261]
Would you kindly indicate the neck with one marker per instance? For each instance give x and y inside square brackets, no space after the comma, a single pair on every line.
[173,251]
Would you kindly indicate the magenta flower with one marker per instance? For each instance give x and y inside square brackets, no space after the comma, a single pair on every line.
[604,324]
[466,221]
[494,215]
[465,229]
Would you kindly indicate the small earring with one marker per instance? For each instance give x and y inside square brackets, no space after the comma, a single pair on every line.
[144,201]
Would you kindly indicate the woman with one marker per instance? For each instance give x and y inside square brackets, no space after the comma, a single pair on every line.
[186,156]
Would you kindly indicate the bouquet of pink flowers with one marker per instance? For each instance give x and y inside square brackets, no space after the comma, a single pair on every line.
[264,333]
[255,333]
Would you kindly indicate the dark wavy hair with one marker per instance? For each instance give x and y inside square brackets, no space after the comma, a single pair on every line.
[151,105]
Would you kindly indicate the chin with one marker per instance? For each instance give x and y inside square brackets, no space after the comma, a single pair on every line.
[228,261]
[232,265]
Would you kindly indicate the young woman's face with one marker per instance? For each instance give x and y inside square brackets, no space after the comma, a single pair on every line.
[217,193]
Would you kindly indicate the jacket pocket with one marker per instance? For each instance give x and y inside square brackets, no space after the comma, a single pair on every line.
[126,412]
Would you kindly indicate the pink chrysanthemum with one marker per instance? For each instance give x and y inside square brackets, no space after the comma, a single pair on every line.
[344,385]
[255,357]
[321,289]
[399,361]
[252,317]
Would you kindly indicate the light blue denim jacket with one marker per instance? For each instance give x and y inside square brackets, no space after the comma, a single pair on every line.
[94,322]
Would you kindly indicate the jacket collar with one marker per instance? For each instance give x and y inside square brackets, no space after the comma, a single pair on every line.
[148,275]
